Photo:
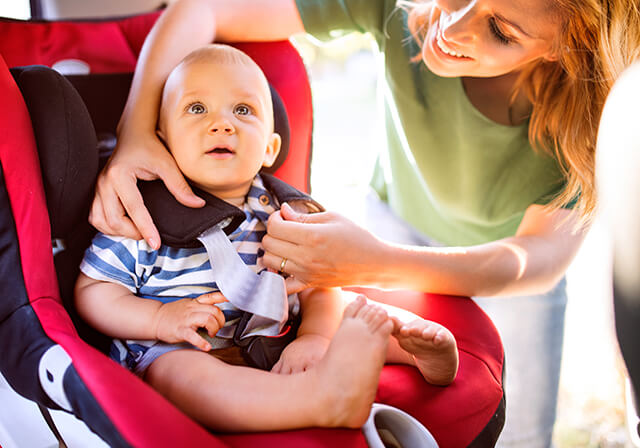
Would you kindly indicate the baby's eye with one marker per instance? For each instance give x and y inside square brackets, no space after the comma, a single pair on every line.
[196,108]
[242,109]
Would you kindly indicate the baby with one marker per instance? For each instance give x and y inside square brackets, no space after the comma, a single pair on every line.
[216,119]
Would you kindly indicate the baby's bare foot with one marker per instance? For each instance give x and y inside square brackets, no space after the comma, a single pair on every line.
[433,348]
[351,368]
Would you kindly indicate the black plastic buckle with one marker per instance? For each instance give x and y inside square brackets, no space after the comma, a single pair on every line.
[263,352]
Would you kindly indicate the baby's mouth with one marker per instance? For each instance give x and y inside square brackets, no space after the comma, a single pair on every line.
[220,150]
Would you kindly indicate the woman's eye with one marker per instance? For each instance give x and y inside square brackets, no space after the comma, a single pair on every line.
[242,109]
[498,34]
[196,108]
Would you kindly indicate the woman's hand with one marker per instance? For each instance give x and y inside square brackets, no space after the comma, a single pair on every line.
[118,208]
[180,320]
[321,249]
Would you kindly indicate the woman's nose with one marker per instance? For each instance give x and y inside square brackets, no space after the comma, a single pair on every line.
[450,6]
[457,20]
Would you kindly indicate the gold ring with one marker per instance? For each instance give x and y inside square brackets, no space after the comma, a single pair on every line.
[282,264]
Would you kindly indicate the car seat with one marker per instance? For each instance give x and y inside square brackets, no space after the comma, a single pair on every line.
[48,166]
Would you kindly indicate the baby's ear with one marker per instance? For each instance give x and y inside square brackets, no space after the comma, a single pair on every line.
[273,148]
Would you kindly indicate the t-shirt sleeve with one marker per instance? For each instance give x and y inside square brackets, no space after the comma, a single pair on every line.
[329,19]
[113,259]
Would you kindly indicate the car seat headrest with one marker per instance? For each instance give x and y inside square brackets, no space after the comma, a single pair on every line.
[281,126]
[66,114]
[66,143]
[105,95]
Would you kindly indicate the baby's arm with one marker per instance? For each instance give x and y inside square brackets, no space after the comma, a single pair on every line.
[115,311]
[321,314]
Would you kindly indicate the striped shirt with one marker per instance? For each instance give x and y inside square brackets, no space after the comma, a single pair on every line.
[169,273]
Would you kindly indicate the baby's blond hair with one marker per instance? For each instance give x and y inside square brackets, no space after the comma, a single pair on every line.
[219,54]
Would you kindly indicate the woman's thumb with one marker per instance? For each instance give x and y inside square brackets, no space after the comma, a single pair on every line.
[289,214]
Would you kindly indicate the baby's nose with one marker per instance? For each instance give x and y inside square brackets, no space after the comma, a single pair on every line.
[222,126]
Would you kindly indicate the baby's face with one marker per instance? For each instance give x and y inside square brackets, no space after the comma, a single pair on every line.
[217,122]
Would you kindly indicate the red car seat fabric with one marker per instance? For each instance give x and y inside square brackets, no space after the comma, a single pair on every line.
[27,269]
[119,42]
[114,403]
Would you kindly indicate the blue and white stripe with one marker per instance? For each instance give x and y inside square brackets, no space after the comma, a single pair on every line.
[170,273]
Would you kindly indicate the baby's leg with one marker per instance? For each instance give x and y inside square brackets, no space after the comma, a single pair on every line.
[338,391]
[422,343]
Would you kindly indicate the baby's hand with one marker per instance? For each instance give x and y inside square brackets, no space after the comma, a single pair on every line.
[179,321]
[302,354]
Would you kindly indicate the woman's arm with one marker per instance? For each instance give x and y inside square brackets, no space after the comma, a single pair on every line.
[185,25]
[329,250]
[113,310]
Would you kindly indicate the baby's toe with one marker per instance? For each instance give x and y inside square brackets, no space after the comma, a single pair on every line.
[355,306]
[443,337]
[368,313]
[379,317]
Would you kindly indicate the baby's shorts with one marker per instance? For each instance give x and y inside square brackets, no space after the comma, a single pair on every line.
[155,351]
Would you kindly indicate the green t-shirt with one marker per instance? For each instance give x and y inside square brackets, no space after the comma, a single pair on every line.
[451,172]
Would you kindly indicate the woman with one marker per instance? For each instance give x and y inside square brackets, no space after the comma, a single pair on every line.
[471,88]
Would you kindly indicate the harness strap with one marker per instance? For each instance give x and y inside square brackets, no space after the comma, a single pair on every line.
[264,295]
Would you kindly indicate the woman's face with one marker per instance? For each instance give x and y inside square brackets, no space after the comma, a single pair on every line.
[486,38]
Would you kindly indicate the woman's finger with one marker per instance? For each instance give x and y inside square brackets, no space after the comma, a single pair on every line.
[96,214]
[308,229]
[294,232]
[275,263]
[281,249]
[113,190]
[290,214]
[177,185]
[133,203]
[108,215]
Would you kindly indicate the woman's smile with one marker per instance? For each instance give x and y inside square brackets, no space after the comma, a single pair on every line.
[446,49]
[443,49]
